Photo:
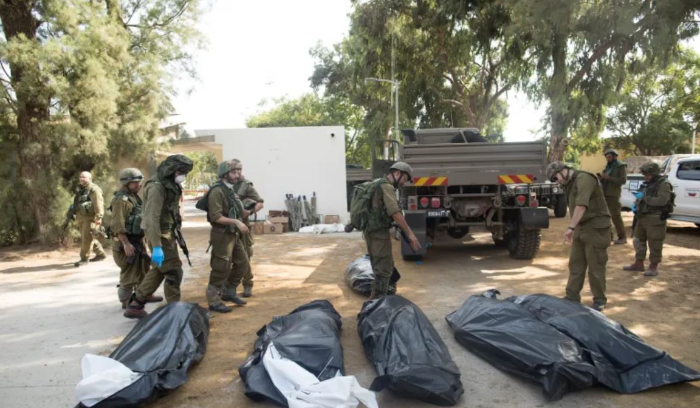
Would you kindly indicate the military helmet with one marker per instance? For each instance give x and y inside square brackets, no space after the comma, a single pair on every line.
[610,151]
[130,174]
[404,168]
[555,168]
[650,169]
[237,164]
[225,167]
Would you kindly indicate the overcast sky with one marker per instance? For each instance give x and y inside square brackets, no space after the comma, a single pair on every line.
[260,49]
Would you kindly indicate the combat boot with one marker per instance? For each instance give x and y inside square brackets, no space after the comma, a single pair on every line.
[135,309]
[81,263]
[598,306]
[98,257]
[637,266]
[620,241]
[230,295]
[214,300]
[653,270]
[247,291]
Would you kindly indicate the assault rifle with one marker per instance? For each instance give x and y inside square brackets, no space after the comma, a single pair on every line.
[177,231]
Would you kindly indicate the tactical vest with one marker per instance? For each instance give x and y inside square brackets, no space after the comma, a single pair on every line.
[133,221]
[171,203]
[235,206]
[651,190]
[82,203]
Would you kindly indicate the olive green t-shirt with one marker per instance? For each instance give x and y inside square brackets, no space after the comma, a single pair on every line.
[584,190]
[387,199]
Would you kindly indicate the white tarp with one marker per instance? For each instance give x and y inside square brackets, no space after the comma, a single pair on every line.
[102,377]
[322,229]
[303,390]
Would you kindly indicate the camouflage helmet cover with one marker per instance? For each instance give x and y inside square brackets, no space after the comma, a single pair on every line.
[610,151]
[404,168]
[130,174]
[225,167]
[650,169]
[555,168]
[237,164]
[174,163]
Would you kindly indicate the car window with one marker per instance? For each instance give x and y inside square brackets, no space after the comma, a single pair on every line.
[689,170]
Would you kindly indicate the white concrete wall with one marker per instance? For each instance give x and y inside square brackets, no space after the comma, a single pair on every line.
[295,160]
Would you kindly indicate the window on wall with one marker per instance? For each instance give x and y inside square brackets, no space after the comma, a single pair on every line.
[689,170]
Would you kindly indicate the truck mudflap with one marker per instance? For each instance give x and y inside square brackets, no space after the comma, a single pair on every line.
[533,218]
[417,221]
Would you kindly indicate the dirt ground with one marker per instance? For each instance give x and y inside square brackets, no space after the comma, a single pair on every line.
[293,269]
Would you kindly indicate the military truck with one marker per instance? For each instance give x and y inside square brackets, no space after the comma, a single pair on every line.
[463,184]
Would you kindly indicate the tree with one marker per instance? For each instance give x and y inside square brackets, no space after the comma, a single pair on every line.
[312,110]
[204,171]
[451,58]
[84,83]
[655,108]
[580,49]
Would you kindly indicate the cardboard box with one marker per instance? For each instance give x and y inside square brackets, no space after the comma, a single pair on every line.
[257,228]
[331,219]
[277,213]
[271,228]
[278,220]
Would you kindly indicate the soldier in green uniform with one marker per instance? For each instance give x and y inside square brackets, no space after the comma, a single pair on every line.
[88,207]
[162,195]
[225,213]
[588,232]
[129,250]
[613,177]
[385,209]
[654,203]
[248,194]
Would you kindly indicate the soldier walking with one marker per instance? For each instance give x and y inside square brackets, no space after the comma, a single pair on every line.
[253,203]
[613,177]
[88,207]
[161,215]
[129,250]
[588,232]
[654,204]
[225,214]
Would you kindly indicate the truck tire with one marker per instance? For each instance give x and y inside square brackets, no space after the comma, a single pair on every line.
[560,207]
[523,243]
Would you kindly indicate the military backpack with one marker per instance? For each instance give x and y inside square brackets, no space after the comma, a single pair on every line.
[363,216]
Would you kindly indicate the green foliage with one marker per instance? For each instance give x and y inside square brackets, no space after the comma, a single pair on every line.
[312,110]
[655,108]
[204,170]
[85,83]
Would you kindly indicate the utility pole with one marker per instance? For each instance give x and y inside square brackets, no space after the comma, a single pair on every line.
[395,90]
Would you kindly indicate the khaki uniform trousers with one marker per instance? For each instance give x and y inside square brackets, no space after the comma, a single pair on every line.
[588,252]
[651,230]
[87,241]
[615,209]
[381,258]
[130,274]
[240,266]
[170,271]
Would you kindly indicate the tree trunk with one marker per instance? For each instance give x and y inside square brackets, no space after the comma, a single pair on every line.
[32,111]
[558,98]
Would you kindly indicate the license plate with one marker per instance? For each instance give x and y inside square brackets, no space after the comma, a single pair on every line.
[437,213]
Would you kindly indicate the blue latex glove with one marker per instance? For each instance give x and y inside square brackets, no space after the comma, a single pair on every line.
[634,208]
[158,256]
[638,195]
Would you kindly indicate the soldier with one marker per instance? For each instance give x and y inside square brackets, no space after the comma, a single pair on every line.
[614,176]
[254,203]
[88,207]
[654,203]
[386,209]
[162,195]
[129,251]
[588,232]
[225,213]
